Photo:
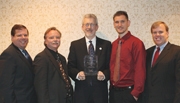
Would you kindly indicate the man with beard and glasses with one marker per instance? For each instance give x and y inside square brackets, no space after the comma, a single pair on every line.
[16,75]
[52,83]
[127,64]
[90,89]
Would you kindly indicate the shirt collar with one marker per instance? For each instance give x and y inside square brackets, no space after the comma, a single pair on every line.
[162,46]
[53,53]
[125,37]
[93,40]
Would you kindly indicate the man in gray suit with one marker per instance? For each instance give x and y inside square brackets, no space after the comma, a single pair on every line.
[16,76]
[163,68]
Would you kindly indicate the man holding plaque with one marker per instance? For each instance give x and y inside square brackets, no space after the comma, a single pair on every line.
[127,64]
[90,87]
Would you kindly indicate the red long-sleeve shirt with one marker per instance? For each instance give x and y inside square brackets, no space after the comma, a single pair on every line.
[132,63]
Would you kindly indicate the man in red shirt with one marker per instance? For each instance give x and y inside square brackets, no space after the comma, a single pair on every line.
[127,64]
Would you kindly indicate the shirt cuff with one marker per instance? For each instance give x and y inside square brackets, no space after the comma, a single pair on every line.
[77,76]
[135,93]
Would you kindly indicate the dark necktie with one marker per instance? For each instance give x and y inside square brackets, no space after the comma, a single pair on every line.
[91,48]
[65,77]
[27,56]
[156,56]
[116,76]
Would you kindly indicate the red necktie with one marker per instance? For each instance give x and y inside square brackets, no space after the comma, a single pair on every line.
[117,63]
[156,56]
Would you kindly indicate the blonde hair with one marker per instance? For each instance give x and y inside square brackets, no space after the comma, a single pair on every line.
[156,24]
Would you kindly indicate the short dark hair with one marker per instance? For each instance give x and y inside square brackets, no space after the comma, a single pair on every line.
[18,27]
[119,13]
[49,29]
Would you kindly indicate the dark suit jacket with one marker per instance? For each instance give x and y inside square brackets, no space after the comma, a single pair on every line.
[78,50]
[49,83]
[163,80]
[16,77]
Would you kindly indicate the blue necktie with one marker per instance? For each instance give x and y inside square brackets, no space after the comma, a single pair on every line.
[91,48]
[27,56]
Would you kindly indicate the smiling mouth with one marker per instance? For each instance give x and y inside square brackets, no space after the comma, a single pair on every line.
[120,28]
[23,42]
[158,39]
[55,43]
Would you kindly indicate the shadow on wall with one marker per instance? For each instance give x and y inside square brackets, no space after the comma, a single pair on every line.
[101,35]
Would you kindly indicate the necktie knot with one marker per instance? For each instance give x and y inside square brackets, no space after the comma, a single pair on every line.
[27,56]
[58,58]
[158,49]
[119,42]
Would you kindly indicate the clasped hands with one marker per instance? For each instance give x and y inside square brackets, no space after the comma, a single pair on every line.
[100,76]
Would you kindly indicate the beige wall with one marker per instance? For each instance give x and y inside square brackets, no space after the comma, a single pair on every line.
[66,15]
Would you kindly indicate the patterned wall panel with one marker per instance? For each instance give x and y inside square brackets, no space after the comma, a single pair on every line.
[66,15]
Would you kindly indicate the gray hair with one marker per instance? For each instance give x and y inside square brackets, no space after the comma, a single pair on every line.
[90,16]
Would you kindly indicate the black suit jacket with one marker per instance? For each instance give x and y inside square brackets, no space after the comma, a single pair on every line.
[163,80]
[78,50]
[49,83]
[16,77]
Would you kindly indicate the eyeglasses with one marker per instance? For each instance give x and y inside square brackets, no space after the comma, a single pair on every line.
[91,24]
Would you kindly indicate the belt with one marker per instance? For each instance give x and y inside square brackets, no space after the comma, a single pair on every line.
[123,88]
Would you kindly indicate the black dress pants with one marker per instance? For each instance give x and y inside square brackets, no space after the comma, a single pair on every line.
[121,95]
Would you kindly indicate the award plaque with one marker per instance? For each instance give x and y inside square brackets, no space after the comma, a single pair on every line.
[90,65]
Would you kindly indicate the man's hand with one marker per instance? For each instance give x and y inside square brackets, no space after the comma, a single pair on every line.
[100,76]
[81,75]
[135,98]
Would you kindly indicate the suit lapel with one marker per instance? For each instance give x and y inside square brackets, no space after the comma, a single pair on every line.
[20,54]
[53,61]
[149,57]
[24,59]
[98,47]
[163,53]
[83,49]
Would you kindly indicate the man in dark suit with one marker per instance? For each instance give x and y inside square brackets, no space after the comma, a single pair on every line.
[52,83]
[16,76]
[163,68]
[90,89]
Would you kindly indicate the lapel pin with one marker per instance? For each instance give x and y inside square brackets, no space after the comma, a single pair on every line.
[100,48]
